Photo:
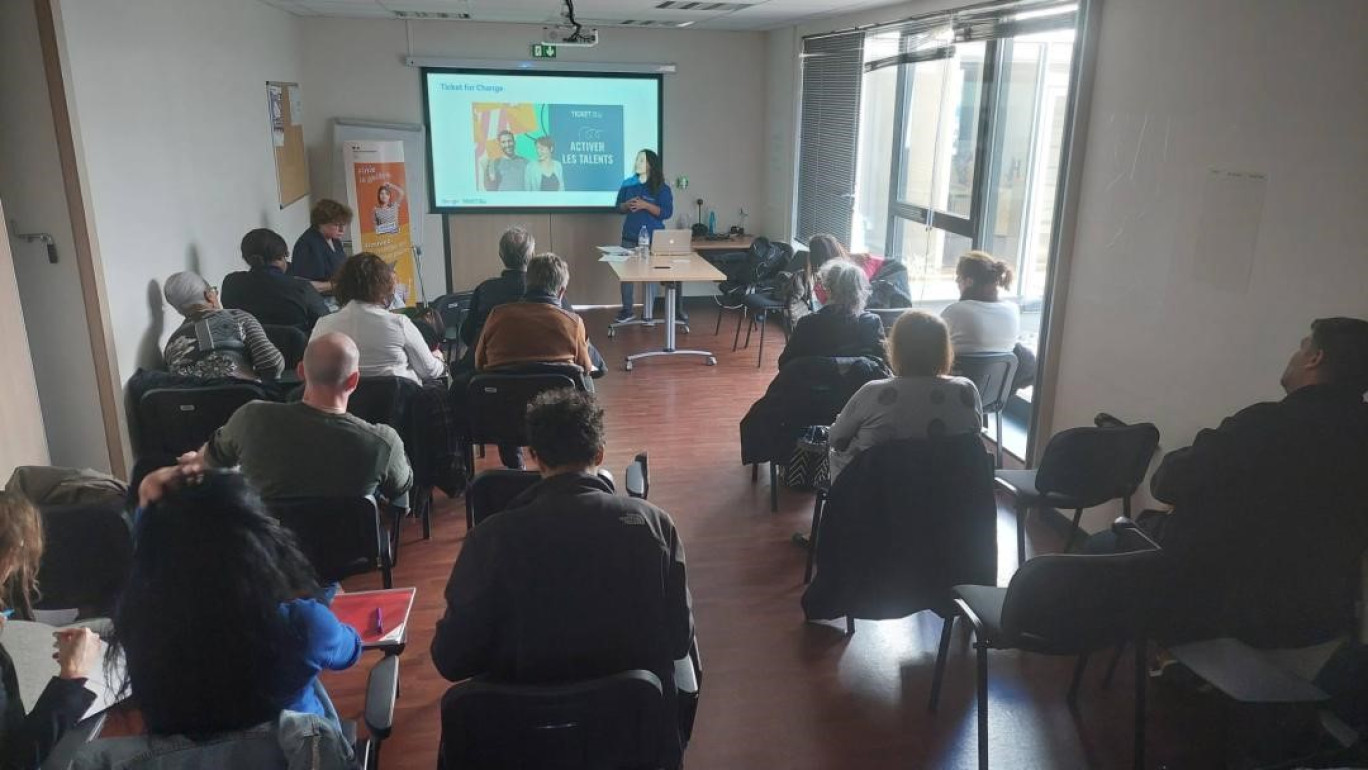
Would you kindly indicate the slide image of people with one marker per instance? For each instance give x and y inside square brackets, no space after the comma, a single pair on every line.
[503,144]
[508,171]
[545,174]
[386,214]
[548,147]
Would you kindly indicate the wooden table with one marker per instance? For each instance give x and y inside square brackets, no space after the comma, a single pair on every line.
[690,267]
[734,243]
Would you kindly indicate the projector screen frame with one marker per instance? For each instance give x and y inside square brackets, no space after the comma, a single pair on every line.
[433,208]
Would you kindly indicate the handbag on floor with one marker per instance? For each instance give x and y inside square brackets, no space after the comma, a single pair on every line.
[807,466]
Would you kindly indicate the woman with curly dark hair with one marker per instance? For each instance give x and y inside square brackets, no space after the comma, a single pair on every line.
[220,623]
[389,342]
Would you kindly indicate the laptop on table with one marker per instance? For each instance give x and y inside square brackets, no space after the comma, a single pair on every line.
[667,244]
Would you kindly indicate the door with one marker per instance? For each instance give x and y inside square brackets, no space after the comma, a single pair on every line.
[24,440]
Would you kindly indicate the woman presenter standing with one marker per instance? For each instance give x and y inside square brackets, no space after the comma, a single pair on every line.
[646,200]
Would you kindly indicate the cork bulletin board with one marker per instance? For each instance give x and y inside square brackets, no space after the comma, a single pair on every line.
[286,113]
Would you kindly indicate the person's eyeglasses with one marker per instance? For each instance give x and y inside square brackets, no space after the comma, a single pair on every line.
[214,289]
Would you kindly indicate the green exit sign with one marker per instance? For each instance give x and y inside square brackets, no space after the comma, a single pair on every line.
[543,51]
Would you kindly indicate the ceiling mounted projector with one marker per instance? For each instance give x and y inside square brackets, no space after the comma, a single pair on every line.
[569,36]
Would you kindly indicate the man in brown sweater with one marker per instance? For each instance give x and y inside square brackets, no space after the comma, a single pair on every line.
[537,329]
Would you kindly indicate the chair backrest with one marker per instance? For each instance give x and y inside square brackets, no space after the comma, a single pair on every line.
[87,555]
[887,316]
[383,401]
[491,491]
[290,341]
[613,722]
[1074,603]
[1094,465]
[341,536]
[497,404]
[992,374]
[452,309]
[173,421]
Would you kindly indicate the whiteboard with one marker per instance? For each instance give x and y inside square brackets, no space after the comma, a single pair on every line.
[415,159]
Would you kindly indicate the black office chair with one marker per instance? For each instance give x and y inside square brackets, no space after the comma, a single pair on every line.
[453,309]
[1082,468]
[612,722]
[87,556]
[1060,604]
[172,421]
[341,536]
[388,400]
[993,375]
[496,403]
[491,491]
[290,341]
[744,269]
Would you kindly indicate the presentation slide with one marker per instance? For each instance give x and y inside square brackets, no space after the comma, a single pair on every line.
[536,140]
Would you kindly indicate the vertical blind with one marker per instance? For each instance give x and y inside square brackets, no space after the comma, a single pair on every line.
[828,134]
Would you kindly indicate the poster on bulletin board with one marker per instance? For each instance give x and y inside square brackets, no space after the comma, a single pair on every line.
[285,110]
[375,177]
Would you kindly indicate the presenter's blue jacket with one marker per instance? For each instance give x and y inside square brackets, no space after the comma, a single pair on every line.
[631,226]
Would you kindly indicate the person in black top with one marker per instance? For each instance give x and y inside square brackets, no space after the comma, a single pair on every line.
[318,253]
[842,327]
[570,581]
[26,740]
[266,292]
[1269,519]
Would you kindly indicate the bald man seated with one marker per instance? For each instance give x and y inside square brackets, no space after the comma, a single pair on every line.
[313,448]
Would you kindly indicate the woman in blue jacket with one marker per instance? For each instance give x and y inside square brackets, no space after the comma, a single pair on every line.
[646,200]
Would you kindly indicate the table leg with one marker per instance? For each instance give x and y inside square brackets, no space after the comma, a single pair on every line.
[671,291]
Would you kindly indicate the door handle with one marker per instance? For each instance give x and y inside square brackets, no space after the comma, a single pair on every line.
[43,238]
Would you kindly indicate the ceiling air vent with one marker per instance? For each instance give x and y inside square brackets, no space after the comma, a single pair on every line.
[694,5]
[435,15]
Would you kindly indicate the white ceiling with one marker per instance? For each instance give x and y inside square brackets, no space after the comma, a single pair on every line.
[752,15]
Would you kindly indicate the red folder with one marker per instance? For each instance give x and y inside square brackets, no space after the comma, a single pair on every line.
[358,610]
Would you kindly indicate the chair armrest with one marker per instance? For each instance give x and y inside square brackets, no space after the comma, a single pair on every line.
[382,688]
[72,740]
[638,477]
[685,676]
[1129,536]
[972,617]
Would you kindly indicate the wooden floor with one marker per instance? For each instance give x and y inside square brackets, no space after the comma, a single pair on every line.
[778,692]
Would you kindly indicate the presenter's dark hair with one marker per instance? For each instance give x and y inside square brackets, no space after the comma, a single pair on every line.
[547,141]
[565,428]
[330,212]
[655,177]
[919,345]
[199,622]
[364,277]
[984,274]
[1344,341]
[261,247]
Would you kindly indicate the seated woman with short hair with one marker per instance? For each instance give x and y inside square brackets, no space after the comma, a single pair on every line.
[389,343]
[842,327]
[920,401]
[214,342]
[222,630]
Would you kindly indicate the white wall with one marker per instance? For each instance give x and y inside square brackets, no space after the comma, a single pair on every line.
[31,188]
[169,99]
[715,122]
[1181,87]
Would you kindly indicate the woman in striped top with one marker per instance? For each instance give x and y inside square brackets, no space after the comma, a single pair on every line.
[213,342]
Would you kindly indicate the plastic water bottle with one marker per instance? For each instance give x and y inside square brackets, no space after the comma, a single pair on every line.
[643,242]
[712,222]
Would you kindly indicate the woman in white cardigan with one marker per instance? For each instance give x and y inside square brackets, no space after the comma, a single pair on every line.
[389,343]
[981,322]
